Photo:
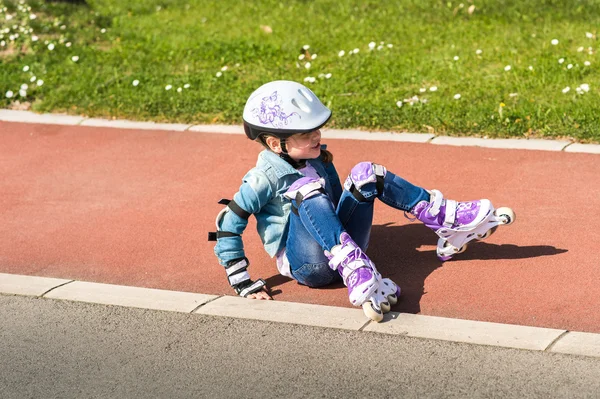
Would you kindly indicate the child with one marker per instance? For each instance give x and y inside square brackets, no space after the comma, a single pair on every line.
[318,231]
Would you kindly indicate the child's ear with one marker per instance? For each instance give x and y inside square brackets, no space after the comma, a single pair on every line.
[274,144]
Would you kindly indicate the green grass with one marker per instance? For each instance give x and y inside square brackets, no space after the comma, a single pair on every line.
[177,42]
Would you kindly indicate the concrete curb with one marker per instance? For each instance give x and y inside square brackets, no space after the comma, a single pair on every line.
[520,144]
[417,326]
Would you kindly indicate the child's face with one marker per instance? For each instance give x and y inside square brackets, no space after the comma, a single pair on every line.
[302,145]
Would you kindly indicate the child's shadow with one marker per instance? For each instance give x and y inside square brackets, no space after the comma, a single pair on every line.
[394,249]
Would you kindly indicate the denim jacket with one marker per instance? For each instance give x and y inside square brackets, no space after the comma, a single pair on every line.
[262,194]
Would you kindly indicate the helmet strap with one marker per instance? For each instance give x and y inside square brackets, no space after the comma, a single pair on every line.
[286,157]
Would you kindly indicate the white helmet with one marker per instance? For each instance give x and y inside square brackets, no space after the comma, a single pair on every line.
[283,108]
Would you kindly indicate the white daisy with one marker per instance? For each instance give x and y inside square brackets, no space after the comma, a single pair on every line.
[554,42]
[168,87]
[589,35]
[561,60]
[478,52]
[456,58]
[9,94]
[26,68]
[399,104]
[587,63]
[507,68]
[457,96]
[307,65]
[186,86]
[219,74]
[75,58]
[433,88]
[40,82]
[135,82]
[372,45]
[306,47]
[566,90]
[51,46]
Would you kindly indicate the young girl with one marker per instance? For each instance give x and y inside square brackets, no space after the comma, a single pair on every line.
[318,231]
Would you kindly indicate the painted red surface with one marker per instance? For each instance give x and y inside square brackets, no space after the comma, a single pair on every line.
[134,207]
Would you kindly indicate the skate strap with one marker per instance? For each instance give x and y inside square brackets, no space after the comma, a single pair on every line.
[450,213]
[341,255]
[438,199]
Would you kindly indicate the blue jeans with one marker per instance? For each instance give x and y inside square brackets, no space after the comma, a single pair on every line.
[318,226]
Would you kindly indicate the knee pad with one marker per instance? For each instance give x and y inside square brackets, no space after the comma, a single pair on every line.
[304,188]
[364,173]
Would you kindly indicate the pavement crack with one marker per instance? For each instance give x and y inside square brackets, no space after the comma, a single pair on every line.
[551,345]
[364,325]
[565,147]
[206,303]
[58,286]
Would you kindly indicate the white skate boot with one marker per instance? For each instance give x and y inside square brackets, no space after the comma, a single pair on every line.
[457,223]
[366,287]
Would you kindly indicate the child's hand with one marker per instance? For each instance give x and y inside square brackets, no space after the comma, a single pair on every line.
[260,295]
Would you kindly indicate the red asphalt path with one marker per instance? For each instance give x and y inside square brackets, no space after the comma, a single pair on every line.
[133,207]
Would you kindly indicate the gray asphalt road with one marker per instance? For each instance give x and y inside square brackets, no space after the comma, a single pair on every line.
[59,349]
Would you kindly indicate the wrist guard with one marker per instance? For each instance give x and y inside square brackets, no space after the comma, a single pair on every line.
[239,278]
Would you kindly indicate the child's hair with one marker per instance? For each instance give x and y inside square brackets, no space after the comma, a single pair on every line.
[326,156]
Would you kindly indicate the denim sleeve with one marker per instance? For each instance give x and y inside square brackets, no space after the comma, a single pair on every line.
[254,193]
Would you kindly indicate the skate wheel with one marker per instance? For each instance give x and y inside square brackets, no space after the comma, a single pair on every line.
[385,307]
[507,215]
[371,312]
[488,233]
[462,249]
[392,299]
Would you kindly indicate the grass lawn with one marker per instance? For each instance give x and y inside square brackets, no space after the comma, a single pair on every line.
[496,68]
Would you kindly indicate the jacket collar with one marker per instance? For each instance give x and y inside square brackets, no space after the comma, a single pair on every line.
[280,166]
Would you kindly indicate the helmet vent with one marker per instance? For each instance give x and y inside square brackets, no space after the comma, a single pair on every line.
[305,94]
[302,105]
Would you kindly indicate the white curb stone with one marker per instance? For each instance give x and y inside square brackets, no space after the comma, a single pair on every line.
[472,332]
[147,298]
[578,343]
[227,129]
[517,144]
[28,285]
[123,124]
[376,136]
[8,115]
[587,148]
[286,312]
[417,326]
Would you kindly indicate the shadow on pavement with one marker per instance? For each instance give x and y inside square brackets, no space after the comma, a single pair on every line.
[406,254]
[396,250]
